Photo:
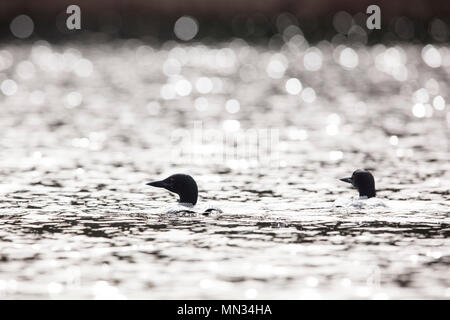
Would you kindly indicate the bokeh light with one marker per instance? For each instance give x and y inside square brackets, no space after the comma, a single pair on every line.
[312,59]
[308,95]
[439,103]
[73,99]
[186,28]
[431,56]
[232,106]
[293,86]
[8,87]
[349,58]
[22,26]
[204,85]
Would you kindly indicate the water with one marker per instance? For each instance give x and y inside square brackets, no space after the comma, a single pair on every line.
[85,126]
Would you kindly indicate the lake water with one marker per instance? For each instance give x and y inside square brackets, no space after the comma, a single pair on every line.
[266,133]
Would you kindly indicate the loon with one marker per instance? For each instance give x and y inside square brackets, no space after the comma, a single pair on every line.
[183,185]
[186,187]
[364,182]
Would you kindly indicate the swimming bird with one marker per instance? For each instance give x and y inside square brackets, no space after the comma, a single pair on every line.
[183,185]
[186,187]
[363,181]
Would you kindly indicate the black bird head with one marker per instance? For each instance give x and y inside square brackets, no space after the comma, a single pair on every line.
[363,181]
[181,184]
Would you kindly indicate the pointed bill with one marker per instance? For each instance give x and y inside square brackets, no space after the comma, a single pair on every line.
[348,180]
[158,184]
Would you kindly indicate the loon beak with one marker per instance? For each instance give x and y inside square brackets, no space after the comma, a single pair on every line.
[158,184]
[348,180]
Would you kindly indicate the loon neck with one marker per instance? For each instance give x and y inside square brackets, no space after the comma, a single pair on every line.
[188,199]
[367,195]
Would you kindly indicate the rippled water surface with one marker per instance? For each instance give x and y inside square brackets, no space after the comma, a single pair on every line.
[85,126]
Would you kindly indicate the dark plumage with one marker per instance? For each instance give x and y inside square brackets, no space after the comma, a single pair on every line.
[181,184]
[363,181]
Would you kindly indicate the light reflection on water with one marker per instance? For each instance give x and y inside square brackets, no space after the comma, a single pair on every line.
[86,126]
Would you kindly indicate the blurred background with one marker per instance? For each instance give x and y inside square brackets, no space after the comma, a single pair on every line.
[416,20]
[267,104]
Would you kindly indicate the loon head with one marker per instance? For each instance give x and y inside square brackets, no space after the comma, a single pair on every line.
[363,181]
[181,184]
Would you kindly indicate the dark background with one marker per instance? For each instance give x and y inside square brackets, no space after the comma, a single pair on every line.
[251,19]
